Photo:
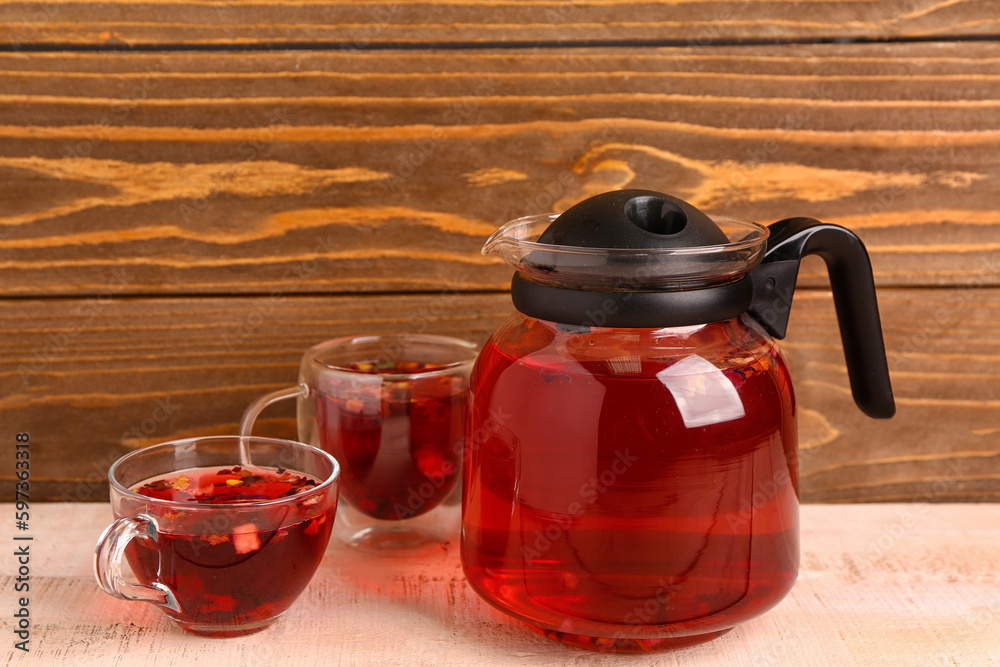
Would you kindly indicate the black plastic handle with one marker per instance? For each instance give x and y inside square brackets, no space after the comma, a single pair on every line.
[853,295]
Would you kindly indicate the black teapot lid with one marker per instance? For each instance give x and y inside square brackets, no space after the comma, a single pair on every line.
[631,258]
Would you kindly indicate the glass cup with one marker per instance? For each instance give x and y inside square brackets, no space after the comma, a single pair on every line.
[392,410]
[218,566]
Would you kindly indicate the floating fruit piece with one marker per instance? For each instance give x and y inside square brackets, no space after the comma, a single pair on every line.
[245,538]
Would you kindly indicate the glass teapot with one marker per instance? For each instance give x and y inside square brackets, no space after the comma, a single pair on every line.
[631,478]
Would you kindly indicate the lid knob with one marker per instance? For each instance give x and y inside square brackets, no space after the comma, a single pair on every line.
[634,219]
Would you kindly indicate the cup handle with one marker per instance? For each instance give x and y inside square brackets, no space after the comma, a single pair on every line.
[110,553]
[254,409]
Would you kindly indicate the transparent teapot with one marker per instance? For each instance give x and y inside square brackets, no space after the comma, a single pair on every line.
[631,478]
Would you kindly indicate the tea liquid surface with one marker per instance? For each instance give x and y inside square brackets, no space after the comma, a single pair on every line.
[220,485]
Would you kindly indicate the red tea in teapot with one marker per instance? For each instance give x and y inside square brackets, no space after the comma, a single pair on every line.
[398,431]
[222,571]
[621,484]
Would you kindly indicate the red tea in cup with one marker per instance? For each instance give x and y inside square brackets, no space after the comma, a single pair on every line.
[392,410]
[222,549]
[398,439]
[226,577]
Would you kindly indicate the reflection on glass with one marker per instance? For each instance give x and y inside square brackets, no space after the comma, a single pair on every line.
[703,393]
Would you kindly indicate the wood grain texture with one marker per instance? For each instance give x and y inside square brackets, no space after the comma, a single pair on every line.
[886,584]
[89,389]
[944,442]
[131,372]
[359,25]
[178,223]
[319,172]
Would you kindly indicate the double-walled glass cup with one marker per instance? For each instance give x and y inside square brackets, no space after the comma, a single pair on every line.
[392,410]
[218,564]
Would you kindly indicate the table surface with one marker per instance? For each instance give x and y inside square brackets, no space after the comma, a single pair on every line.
[879,585]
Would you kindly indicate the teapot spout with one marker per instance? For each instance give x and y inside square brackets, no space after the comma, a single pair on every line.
[515,240]
[495,244]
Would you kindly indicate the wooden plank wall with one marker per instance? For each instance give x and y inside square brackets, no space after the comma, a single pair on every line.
[192,193]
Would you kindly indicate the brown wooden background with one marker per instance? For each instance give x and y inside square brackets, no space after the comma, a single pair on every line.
[192,193]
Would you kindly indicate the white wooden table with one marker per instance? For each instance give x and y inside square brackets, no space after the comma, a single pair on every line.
[879,585]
